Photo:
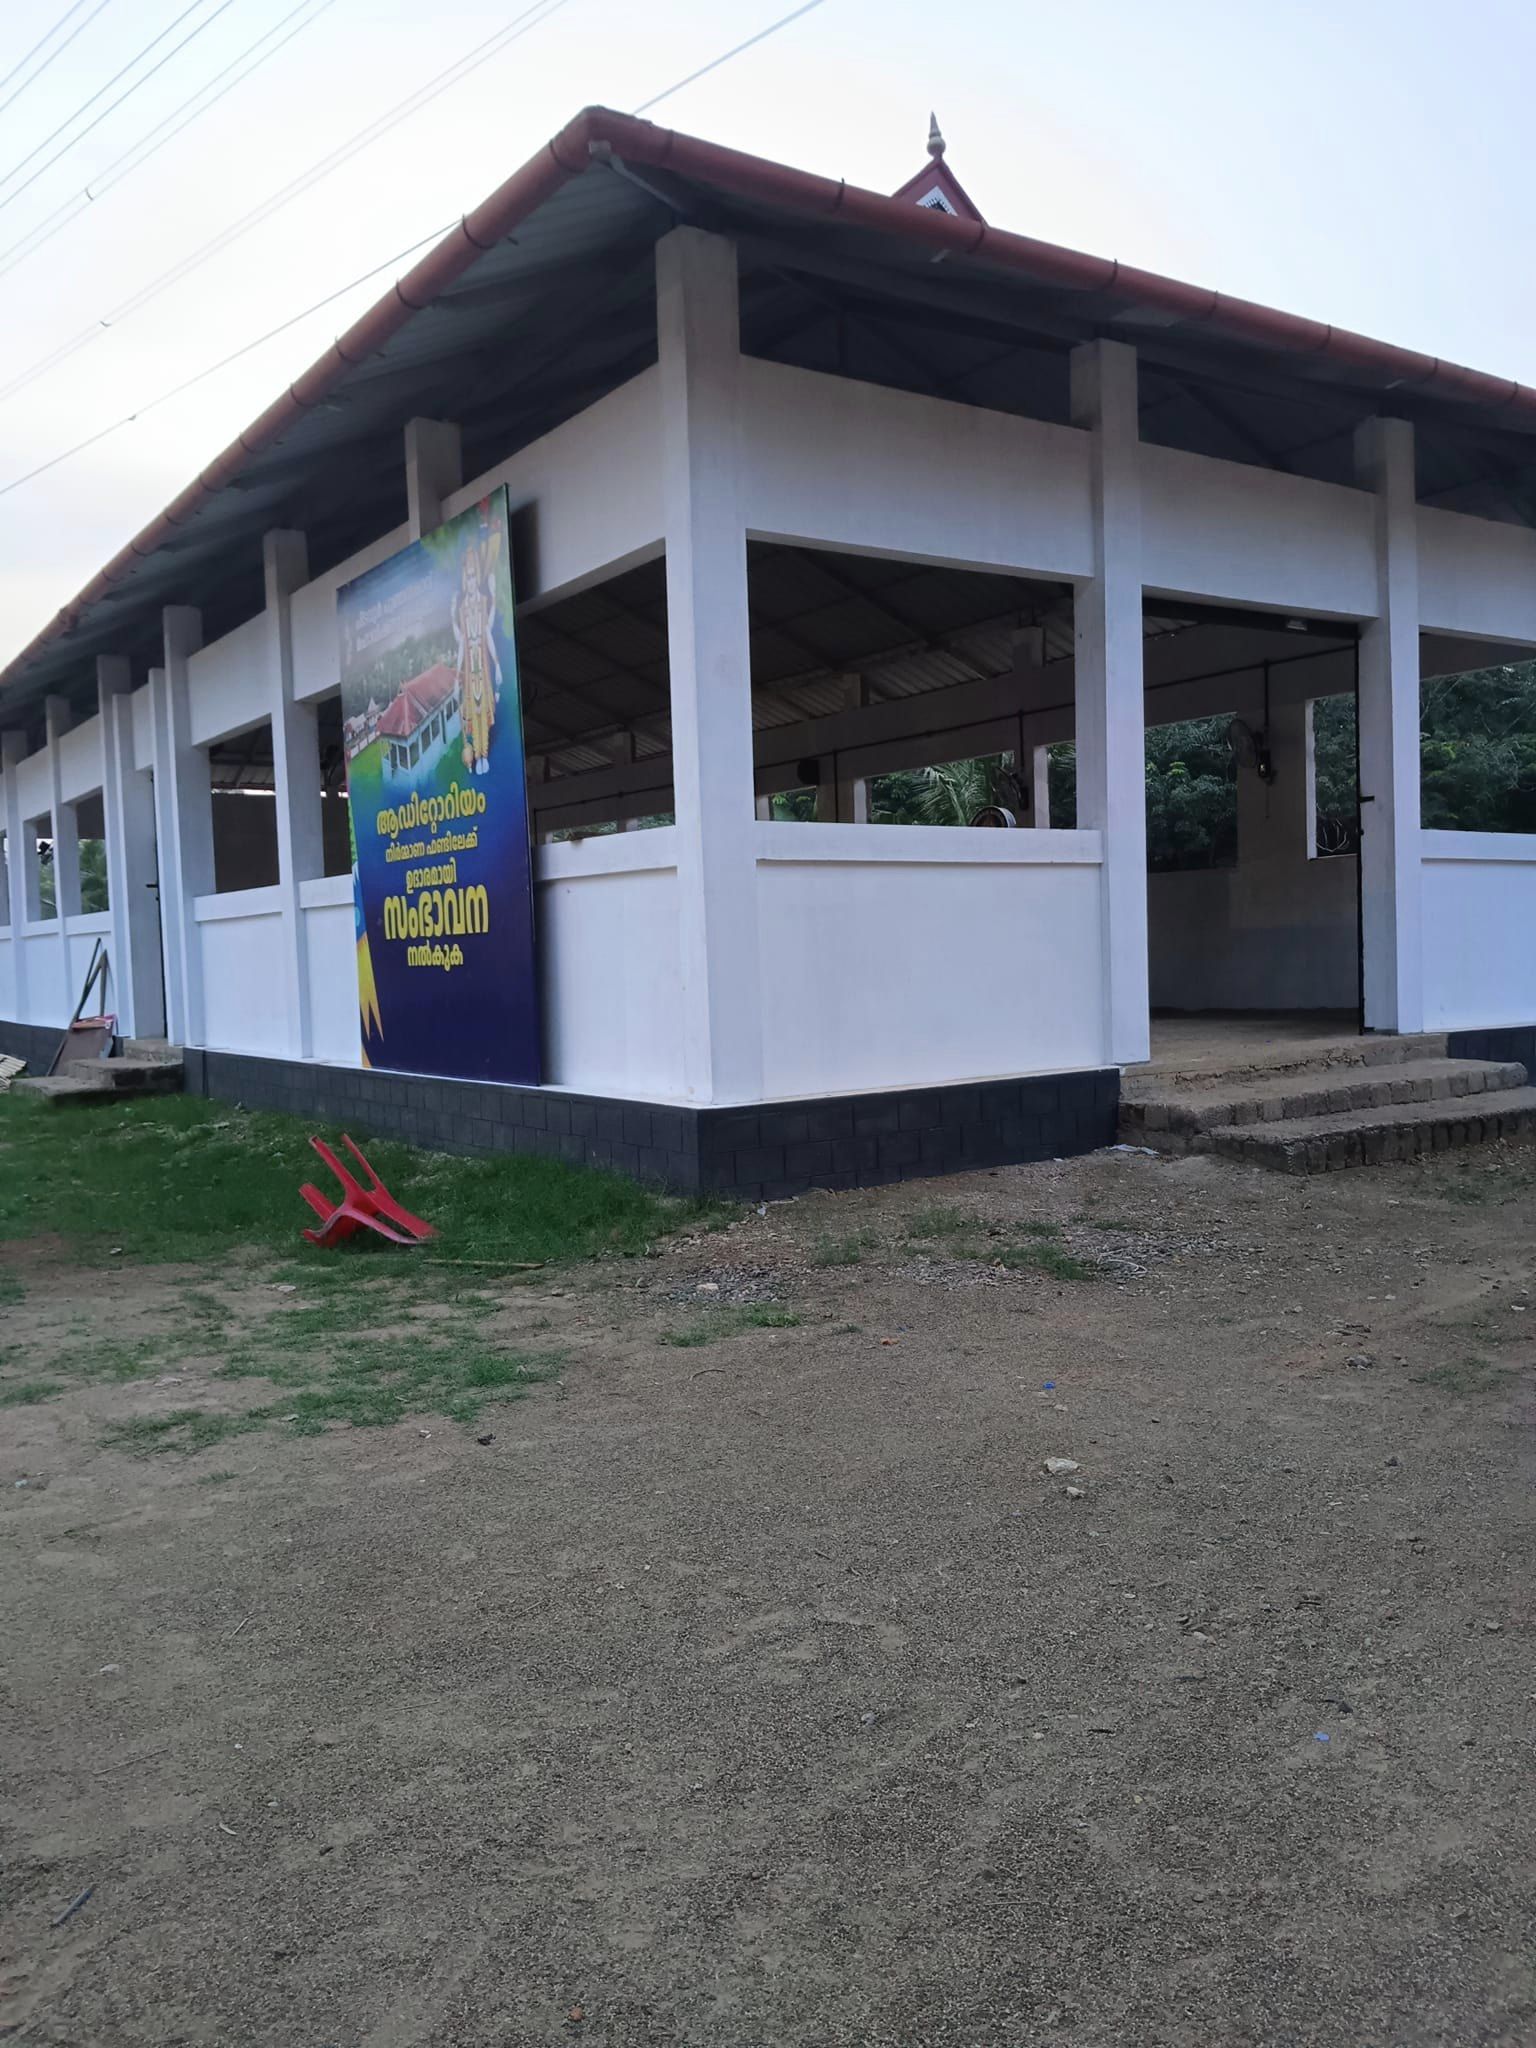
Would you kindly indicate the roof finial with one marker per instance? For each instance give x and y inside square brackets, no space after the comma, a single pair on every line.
[935,139]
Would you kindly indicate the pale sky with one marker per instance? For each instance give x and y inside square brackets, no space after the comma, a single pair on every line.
[1362,161]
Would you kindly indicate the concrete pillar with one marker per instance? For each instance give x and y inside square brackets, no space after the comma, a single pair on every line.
[13,751]
[183,825]
[128,811]
[1391,879]
[1038,768]
[66,846]
[711,673]
[295,775]
[843,799]
[1275,817]
[434,470]
[1111,736]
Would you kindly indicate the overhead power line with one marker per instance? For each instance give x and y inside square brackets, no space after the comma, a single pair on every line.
[64,148]
[248,348]
[52,54]
[531,18]
[715,62]
[175,123]
[46,37]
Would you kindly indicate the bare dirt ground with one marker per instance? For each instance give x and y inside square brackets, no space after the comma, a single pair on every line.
[763,1689]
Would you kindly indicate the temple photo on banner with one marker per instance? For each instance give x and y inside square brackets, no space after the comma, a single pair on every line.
[441,861]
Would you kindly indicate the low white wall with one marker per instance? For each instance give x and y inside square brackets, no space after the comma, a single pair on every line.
[1255,938]
[42,972]
[241,941]
[83,934]
[52,990]
[904,956]
[611,964]
[1479,929]
[330,951]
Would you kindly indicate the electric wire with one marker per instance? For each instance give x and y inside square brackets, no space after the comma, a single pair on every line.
[64,149]
[715,62]
[175,123]
[210,369]
[532,17]
[52,54]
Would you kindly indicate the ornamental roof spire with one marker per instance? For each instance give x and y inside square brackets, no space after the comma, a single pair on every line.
[936,185]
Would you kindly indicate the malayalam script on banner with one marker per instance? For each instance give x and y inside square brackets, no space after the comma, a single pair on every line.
[442,869]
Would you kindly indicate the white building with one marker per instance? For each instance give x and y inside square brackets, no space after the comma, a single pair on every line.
[799,474]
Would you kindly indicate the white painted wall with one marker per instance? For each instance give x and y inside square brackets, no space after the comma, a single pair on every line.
[240,940]
[594,488]
[1242,535]
[34,785]
[608,930]
[227,681]
[81,762]
[1280,929]
[856,466]
[1255,938]
[8,1005]
[43,975]
[1480,924]
[330,949]
[1477,576]
[591,488]
[914,956]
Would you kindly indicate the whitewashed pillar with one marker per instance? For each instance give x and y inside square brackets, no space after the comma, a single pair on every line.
[66,846]
[13,751]
[1111,734]
[434,470]
[295,776]
[844,799]
[183,825]
[1391,878]
[711,672]
[1039,771]
[128,814]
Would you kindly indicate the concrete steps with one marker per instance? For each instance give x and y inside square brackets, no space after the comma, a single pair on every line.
[1366,1103]
[1375,1137]
[143,1067]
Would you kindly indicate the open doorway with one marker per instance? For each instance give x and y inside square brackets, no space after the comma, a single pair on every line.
[1253,884]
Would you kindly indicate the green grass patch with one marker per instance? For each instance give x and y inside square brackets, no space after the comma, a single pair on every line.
[111,1358]
[1045,1258]
[177,1177]
[844,1251]
[931,1223]
[182,1429]
[730,1322]
[27,1393]
[11,1290]
[1470,1375]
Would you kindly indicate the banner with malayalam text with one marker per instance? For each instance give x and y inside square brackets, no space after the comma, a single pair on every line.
[442,869]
